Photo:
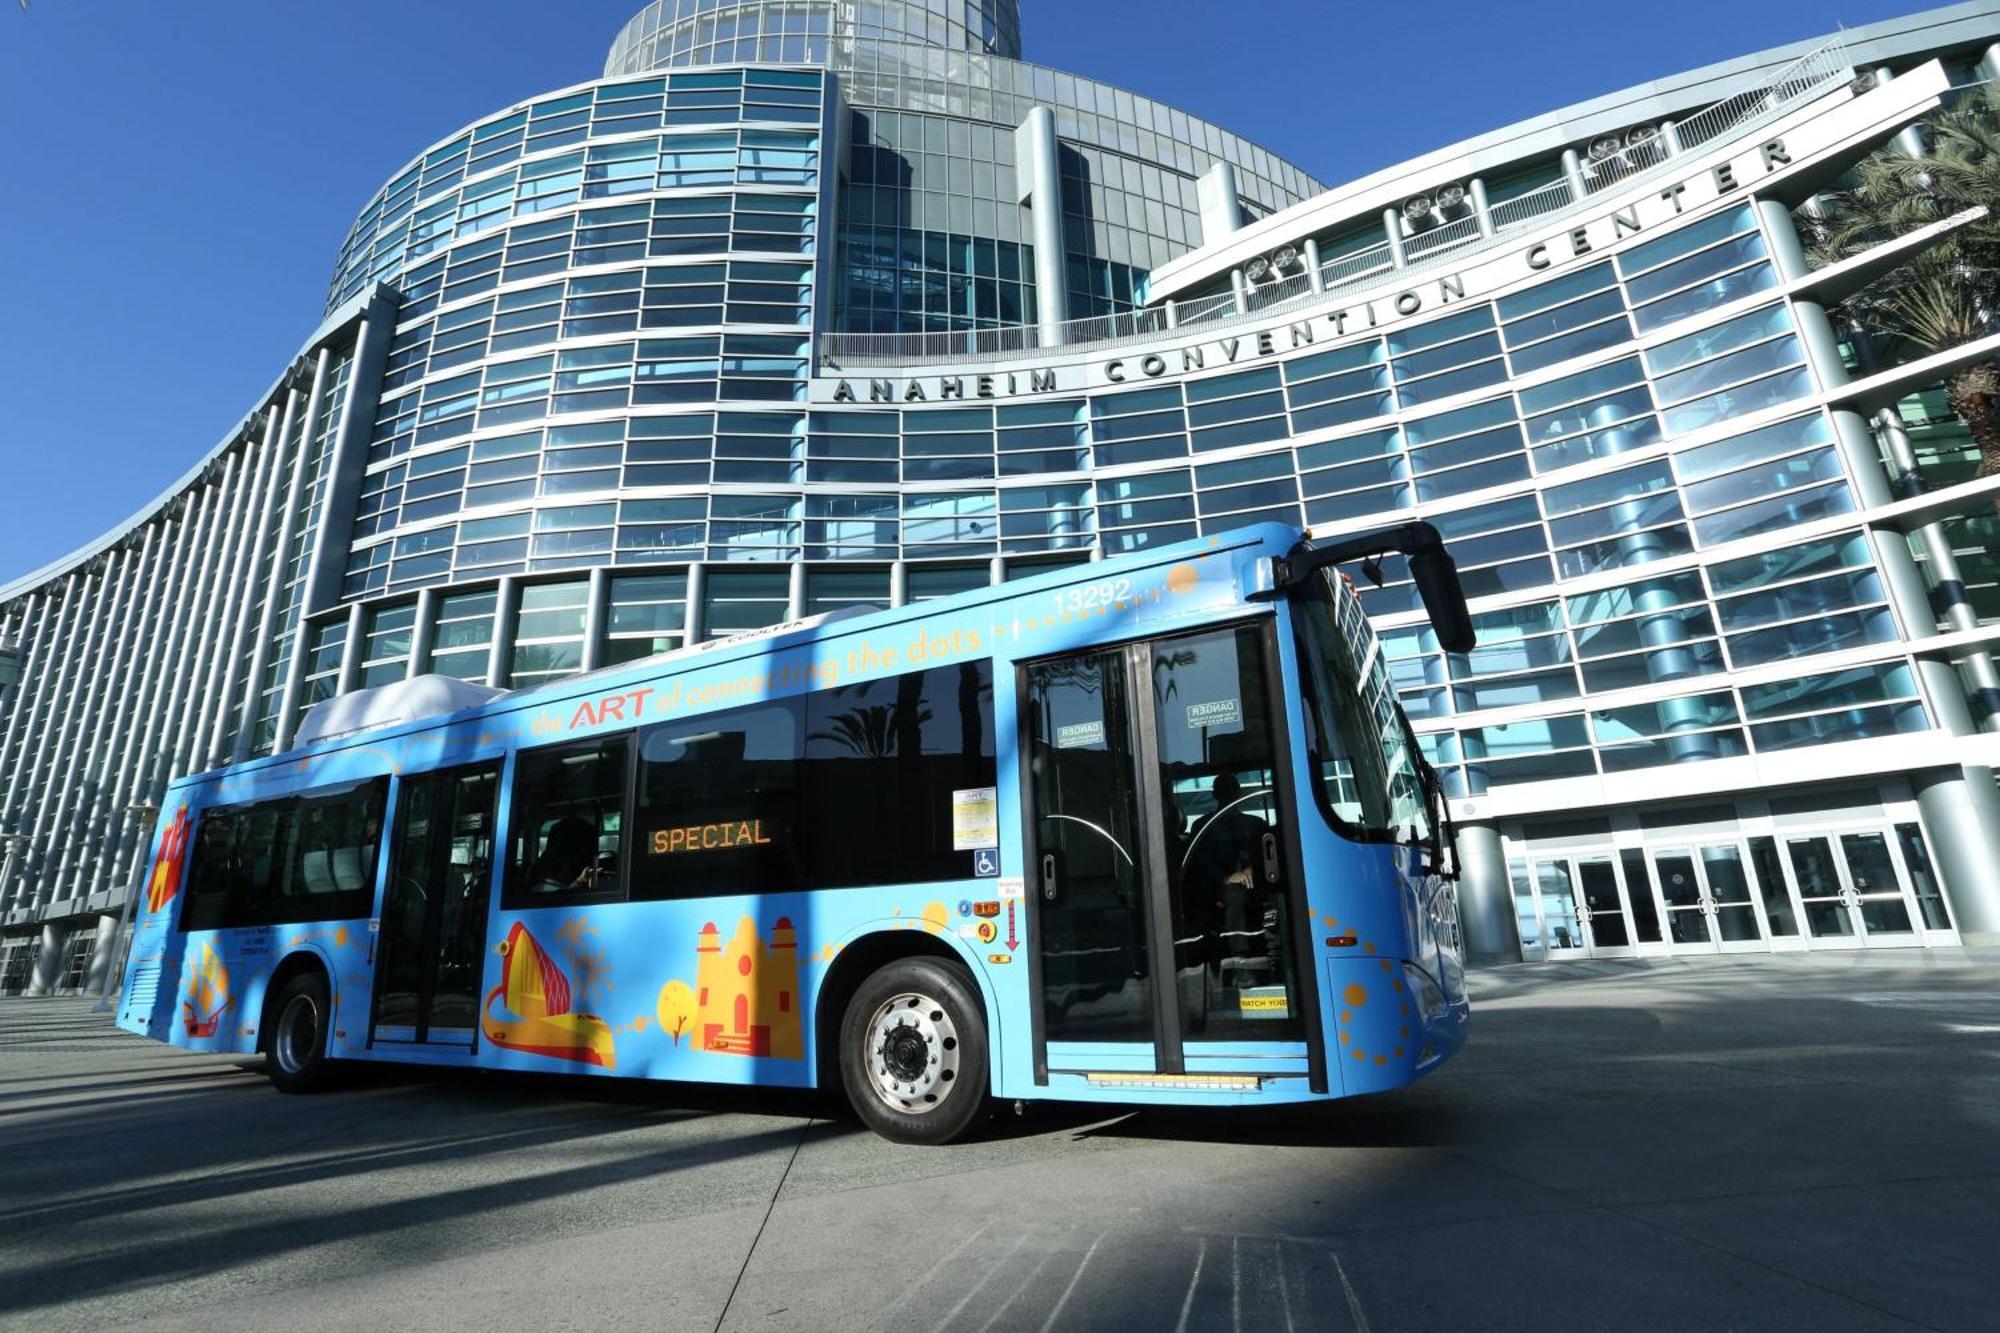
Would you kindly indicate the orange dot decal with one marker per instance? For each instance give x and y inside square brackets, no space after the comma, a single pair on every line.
[1357,995]
[1182,578]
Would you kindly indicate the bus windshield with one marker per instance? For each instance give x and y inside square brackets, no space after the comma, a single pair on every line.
[1370,776]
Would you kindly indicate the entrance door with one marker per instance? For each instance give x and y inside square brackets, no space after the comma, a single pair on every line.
[1562,910]
[1685,903]
[1604,920]
[1854,894]
[1166,905]
[1732,899]
[1707,895]
[433,938]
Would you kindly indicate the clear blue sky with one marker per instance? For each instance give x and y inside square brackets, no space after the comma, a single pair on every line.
[178,174]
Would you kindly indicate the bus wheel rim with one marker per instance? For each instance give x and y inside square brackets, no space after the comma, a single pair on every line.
[298,1033]
[913,1053]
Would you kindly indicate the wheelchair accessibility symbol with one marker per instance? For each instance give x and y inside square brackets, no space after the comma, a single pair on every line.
[986,862]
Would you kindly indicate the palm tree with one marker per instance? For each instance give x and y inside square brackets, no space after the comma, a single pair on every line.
[1949,295]
[866,730]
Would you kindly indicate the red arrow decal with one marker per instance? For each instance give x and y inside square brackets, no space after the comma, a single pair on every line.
[1012,942]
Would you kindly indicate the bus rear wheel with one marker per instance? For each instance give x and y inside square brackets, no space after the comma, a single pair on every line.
[913,1054]
[295,1051]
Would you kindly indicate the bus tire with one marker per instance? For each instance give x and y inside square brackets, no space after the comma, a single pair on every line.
[295,1053]
[913,1052]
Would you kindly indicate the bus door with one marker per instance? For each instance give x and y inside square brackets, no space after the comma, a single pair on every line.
[1167,905]
[433,936]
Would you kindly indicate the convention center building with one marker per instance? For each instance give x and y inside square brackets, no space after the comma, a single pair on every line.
[808,304]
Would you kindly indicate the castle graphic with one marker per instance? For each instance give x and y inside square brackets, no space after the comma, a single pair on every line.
[747,995]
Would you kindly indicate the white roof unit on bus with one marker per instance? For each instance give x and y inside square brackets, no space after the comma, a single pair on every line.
[390,705]
[789,626]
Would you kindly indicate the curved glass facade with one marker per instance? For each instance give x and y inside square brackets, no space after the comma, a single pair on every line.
[719,32]
[578,399]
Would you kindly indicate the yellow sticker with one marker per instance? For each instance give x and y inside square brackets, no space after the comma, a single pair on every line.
[975,819]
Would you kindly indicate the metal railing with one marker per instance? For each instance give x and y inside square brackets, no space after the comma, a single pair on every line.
[1811,74]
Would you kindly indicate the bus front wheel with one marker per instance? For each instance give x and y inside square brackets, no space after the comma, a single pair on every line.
[913,1053]
[295,1056]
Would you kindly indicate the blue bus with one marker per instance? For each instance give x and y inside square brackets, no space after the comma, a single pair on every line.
[1152,829]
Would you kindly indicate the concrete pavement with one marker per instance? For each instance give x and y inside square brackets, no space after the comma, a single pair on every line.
[1746,1144]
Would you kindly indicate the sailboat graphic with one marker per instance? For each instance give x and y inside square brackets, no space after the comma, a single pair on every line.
[207,996]
[534,998]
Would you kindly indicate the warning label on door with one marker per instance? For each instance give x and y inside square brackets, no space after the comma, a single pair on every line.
[1215,713]
[1076,735]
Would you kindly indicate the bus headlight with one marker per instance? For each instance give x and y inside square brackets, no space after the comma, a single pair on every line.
[1430,1000]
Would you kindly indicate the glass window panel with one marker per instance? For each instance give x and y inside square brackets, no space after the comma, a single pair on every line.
[566,839]
[1718,339]
[1707,296]
[1652,253]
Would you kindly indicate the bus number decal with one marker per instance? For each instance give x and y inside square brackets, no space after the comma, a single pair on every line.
[1091,596]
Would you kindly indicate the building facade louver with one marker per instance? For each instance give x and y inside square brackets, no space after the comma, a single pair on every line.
[806,305]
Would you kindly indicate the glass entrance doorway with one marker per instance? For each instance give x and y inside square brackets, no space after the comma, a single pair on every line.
[1851,889]
[1584,913]
[1706,899]
[1858,885]
[1165,906]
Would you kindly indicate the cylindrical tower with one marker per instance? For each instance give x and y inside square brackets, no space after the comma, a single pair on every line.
[705,32]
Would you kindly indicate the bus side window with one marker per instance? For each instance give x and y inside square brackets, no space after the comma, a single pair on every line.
[854,785]
[291,860]
[718,804]
[331,847]
[567,833]
[884,761]
[213,871]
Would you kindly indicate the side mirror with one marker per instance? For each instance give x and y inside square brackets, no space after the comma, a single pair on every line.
[1436,577]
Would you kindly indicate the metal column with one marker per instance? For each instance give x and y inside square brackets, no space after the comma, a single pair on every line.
[117,762]
[423,633]
[1485,898]
[265,643]
[506,615]
[251,579]
[81,794]
[1038,183]
[1392,226]
[597,617]
[697,603]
